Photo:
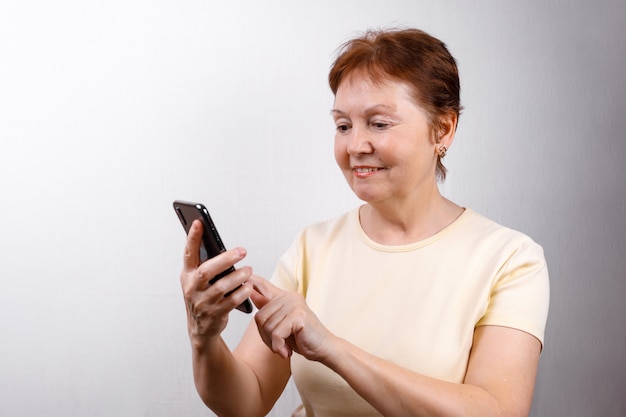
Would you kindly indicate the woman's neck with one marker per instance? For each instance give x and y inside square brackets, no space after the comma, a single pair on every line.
[403,222]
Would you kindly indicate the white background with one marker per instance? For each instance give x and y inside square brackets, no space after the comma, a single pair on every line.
[109,110]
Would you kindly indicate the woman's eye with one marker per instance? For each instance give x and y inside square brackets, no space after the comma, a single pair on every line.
[379,125]
[342,128]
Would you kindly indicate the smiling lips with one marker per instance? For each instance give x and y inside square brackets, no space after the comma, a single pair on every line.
[362,172]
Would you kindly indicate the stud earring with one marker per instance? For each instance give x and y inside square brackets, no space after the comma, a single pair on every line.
[442,151]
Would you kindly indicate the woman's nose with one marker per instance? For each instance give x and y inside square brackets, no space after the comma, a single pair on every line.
[360,142]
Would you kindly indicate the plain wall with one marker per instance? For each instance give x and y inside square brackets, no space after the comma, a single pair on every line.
[109,110]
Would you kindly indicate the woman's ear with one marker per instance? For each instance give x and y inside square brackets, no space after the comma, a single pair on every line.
[446,129]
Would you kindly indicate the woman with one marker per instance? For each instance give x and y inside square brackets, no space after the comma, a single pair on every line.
[409,305]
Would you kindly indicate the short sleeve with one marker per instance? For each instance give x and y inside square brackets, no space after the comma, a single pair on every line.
[520,294]
[287,274]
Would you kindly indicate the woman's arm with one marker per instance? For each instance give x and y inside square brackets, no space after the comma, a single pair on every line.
[245,382]
[499,380]
[231,386]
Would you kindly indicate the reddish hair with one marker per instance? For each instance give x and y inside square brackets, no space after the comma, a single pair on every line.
[410,56]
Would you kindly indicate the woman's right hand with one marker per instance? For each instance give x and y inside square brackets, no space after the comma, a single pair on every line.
[207,305]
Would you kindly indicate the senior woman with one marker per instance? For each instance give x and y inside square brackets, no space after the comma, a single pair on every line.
[408,305]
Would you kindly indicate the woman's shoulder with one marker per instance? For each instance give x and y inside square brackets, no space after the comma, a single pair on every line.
[332,227]
[482,228]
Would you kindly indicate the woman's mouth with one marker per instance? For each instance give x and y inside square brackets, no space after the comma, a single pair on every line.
[363,172]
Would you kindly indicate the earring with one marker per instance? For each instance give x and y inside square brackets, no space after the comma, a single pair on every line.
[442,151]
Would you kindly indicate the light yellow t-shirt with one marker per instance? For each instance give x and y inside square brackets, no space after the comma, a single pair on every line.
[416,305]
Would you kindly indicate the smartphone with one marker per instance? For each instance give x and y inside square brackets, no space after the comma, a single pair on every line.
[211,242]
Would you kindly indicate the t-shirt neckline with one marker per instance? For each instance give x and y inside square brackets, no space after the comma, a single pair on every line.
[408,246]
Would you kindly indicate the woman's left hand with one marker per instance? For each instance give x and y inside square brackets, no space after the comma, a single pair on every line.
[286,324]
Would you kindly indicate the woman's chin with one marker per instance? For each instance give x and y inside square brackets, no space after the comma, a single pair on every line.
[366,195]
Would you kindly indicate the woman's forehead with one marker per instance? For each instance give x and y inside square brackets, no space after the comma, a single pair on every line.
[364,84]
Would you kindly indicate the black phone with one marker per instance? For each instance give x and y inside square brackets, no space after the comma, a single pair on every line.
[212,244]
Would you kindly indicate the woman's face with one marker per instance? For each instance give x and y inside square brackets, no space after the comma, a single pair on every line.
[383,141]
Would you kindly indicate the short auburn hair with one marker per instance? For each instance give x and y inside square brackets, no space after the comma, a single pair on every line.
[410,56]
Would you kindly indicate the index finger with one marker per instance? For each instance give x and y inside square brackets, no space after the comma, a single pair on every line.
[191,259]
[264,287]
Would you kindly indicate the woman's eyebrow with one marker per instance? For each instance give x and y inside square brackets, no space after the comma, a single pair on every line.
[368,110]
